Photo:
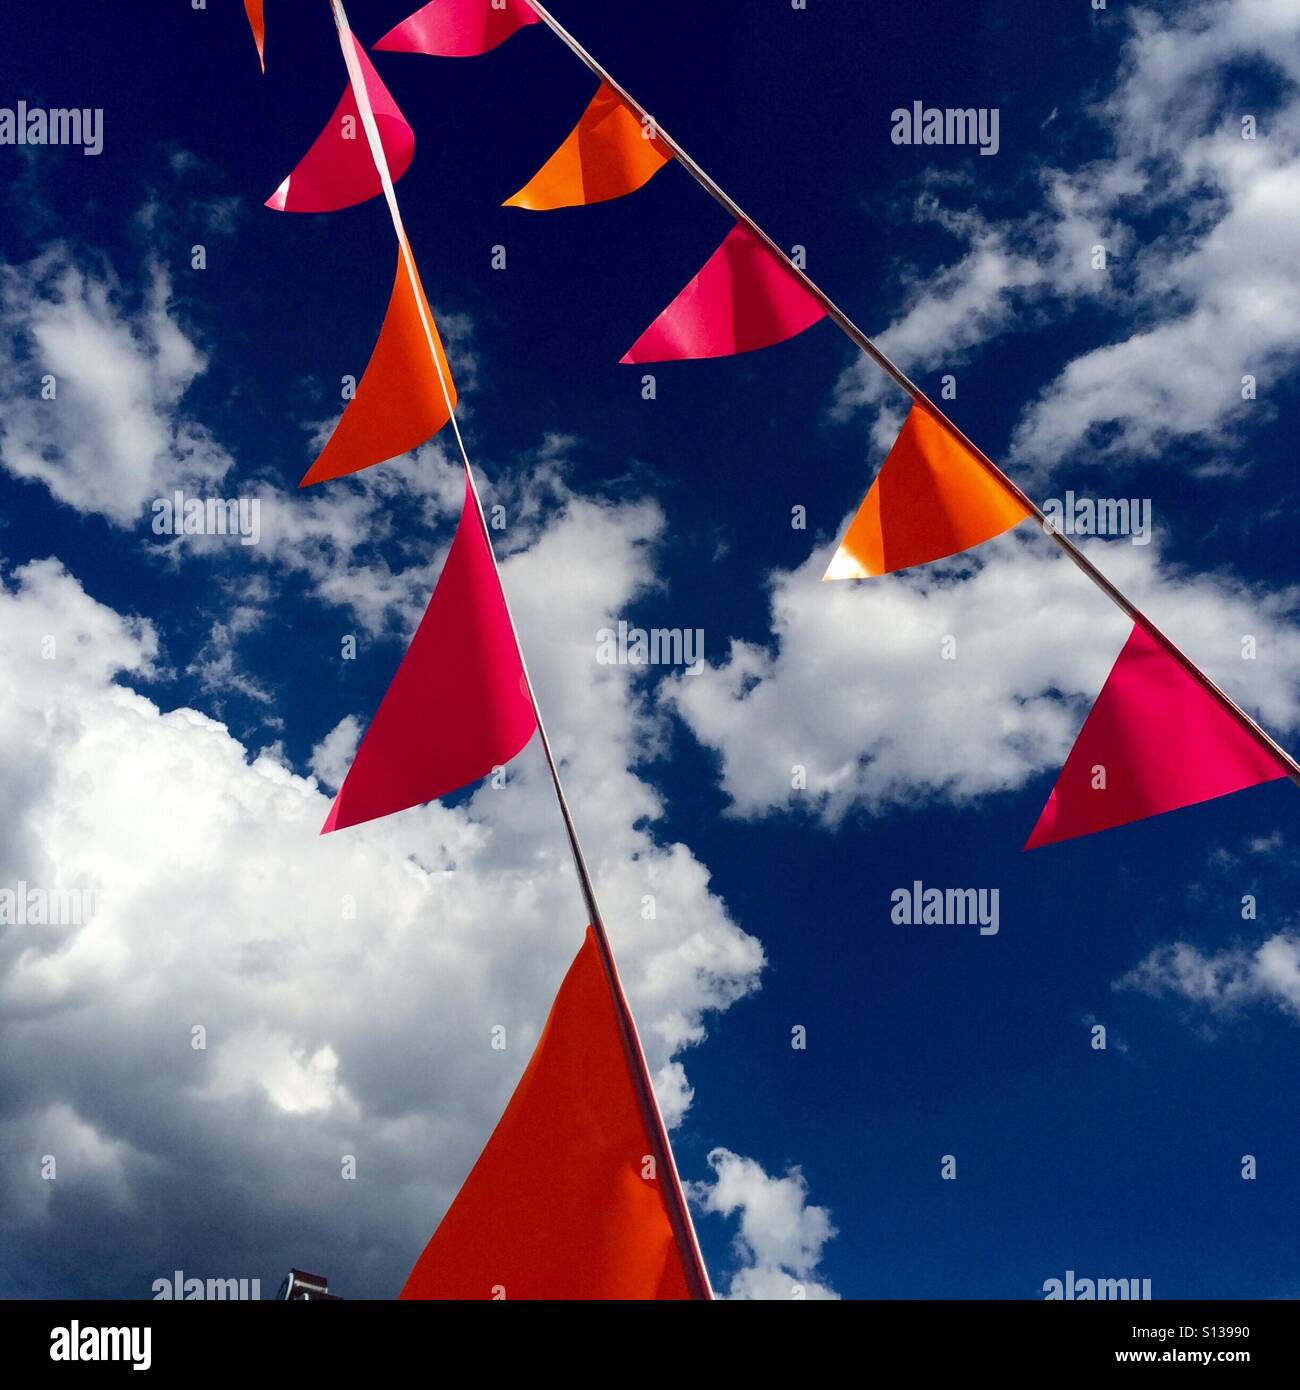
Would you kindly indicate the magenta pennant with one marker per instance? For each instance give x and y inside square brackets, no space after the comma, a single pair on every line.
[1155,740]
[338,171]
[458,28]
[745,297]
[458,705]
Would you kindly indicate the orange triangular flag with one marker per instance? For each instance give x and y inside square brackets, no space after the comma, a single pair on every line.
[253,9]
[931,498]
[400,402]
[557,1206]
[607,154]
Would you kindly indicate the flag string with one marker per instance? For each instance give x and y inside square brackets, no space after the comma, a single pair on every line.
[905,383]
[665,1164]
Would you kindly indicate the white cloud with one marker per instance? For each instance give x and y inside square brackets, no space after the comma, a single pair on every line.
[1232,297]
[332,756]
[1227,980]
[1210,298]
[780,1238]
[115,436]
[216,667]
[855,688]
[949,312]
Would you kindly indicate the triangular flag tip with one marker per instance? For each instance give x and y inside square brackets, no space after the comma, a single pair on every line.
[609,153]
[459,704]
[560,1204]
[744,297]
[399,402]
[932,498]
[1155,740]
[458,28]
[338,170]
[256,22]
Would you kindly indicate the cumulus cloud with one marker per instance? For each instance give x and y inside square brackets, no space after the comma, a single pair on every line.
[344,988]
[1224,981]
[332,756]
[781,1236]
[855,689]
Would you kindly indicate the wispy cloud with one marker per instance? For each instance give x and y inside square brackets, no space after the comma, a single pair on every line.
[1223,982]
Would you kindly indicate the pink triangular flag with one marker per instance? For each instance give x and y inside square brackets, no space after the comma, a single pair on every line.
[339,171]
[458,705]
[1155,740]
[458,28]
[744,297]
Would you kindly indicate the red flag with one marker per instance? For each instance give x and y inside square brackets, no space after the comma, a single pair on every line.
[458,28]
[1154,741]
[253,9]
[558,1205]
[338,171]
[399,402]
[745,297]
[458,705]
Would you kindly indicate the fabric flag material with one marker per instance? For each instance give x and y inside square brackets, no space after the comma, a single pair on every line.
[1154,741]
[556,1206]
[745,297]
[605,156]
[338,171]
[458,28]
[253,9]
[399,402]
[458,705]
[931,498]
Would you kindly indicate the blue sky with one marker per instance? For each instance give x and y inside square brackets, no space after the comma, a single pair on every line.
[368,1036]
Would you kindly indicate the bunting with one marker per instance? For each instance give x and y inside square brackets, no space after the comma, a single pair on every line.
[563,1203]
[931,498]
[934,496]
[1154,741]
[565,1200]
[253,9]
[399,402]
[607,154]
[458,28]
[458,705]
[338,171]
[745,297]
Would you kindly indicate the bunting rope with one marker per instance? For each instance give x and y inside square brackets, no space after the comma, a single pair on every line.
[665,1163]
[919,398]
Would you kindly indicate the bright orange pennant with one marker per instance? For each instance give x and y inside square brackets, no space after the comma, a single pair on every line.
[931,498]
[606,155]
[253,9]
[399,402]
[557,1206]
